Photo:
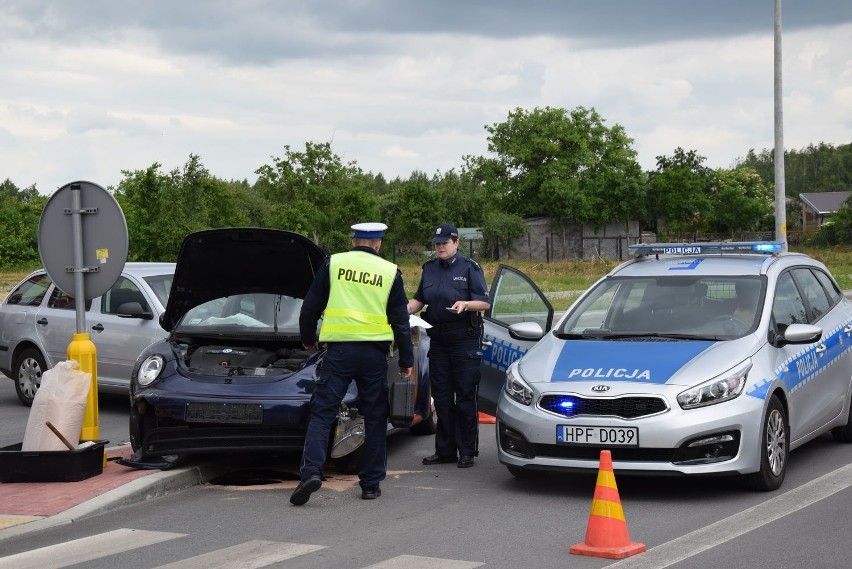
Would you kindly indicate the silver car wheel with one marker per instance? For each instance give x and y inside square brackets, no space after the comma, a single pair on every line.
[29,376]
[776,442]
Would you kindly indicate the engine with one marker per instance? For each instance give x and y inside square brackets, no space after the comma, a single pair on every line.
[227,360]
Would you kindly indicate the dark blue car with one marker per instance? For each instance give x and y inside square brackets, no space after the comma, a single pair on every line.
[232,375]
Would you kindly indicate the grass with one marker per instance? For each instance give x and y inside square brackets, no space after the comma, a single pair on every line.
[554,277]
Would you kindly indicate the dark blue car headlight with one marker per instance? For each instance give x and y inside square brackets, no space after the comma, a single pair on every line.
[150,370]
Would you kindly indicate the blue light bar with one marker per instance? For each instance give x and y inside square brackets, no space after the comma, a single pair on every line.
[760,247]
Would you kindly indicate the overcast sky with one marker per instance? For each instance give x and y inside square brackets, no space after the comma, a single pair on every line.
[91,88]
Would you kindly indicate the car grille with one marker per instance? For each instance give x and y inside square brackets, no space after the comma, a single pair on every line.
[594,453]
[624,407]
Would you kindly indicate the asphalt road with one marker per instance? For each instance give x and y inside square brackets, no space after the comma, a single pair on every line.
[450,518]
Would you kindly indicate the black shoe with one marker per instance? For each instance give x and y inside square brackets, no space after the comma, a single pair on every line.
[438,459]
[370,493]
[465,461]
[304,490]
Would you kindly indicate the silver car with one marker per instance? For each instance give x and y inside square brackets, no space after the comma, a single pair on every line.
[38,321]
[688,359]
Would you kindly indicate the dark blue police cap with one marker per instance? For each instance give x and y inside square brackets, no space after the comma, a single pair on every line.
[444,233]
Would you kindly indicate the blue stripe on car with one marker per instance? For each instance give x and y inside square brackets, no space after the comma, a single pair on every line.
[807,364]
[501,354]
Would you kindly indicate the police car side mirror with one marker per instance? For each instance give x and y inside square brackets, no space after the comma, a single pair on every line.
[799,334]
[526,331]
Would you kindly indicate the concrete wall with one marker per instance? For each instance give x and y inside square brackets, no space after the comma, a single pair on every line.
[571,241]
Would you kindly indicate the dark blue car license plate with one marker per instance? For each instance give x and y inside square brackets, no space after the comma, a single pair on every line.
[225,413]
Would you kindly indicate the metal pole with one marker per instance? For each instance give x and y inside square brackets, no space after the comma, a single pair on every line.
[780,189]
[77,237]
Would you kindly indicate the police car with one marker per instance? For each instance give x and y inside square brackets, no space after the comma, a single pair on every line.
[707,358]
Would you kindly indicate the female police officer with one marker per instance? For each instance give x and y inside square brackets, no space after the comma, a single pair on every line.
[453,287]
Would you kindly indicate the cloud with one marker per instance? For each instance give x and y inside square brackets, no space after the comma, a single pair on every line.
[93,88]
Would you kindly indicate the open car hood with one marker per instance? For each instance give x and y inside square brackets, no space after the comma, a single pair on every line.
[221,262]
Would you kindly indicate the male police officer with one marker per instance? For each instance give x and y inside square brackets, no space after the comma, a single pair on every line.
[364,302]
[454,289]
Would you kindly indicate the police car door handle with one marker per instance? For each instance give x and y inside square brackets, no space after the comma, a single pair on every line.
[820,349]
[42,321]
[848,329]
[486,343]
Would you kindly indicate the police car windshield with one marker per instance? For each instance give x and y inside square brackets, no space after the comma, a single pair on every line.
[668,307]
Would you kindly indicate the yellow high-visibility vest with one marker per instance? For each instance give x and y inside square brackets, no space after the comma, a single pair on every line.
[358,298]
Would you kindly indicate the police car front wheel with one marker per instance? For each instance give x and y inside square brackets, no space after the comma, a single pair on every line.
[774,449]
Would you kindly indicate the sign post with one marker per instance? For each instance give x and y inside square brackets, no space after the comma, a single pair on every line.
[83,223]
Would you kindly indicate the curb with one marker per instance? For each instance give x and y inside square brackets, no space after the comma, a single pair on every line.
[136,491]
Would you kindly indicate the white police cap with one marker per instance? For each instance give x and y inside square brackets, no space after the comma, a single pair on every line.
[371,230]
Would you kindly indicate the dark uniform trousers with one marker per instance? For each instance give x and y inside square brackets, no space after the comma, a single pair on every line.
[454,359]
[366,363]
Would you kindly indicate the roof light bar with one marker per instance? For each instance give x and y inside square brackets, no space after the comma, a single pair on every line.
[760,247]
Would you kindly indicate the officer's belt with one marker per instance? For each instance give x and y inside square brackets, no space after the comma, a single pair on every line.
[447,326]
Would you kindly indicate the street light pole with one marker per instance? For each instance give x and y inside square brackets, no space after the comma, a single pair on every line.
[780,189]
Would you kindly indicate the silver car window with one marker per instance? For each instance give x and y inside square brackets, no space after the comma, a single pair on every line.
[813,291]
[30,292]
[124,291]
[161,285]
[788,307]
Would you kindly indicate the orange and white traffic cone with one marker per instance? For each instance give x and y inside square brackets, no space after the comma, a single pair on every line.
[606,534]
[486,419]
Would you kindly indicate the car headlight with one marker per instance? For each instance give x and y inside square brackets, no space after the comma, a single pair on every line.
[150,370]
[517,388]
[716,390]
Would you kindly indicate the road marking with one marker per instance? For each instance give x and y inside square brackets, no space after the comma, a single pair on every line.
[735,526]
[85,549]
[7,521]
[248,555]
[417,562]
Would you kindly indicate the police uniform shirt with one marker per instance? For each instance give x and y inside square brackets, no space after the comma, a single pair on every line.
[443,283]
[397,310]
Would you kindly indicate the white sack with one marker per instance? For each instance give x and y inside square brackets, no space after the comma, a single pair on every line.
[61,399]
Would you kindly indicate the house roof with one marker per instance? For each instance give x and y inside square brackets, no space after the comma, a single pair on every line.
[824,202]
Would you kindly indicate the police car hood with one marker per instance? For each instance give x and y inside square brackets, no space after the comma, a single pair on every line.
[684,363]
[237,260]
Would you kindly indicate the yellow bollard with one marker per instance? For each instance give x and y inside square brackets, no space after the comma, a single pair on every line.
[83,351]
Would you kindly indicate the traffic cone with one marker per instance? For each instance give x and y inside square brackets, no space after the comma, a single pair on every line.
[485,419]
[606,534]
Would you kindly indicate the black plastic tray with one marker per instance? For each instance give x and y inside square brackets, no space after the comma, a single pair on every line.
[51,466]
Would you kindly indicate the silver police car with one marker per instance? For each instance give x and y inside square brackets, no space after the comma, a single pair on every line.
[707,358]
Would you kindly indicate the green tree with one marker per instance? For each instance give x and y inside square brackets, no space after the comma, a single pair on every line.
[566,164]
[411,212]
[162,209]
[739,201]
[818,167]
[678,198]
[314,193]
[20,213]
[139,194]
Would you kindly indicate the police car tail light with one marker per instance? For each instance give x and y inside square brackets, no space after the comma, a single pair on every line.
[516,388]
[150,370]
[717,390]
